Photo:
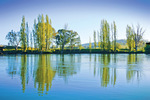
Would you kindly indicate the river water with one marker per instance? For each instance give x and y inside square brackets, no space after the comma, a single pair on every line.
[75,77]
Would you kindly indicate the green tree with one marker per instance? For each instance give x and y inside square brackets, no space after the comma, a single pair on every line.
[129,35]
[39,32]
[23,34]
[99,43]
[114,35]
[95,44]
[105,35]
[47,32]
[28,35]
[73,38]
[31,40]
[90,44]
[62,38]
[66,37]
[138,35]
[42,33]
[13,38]
[35,36]
[79,43]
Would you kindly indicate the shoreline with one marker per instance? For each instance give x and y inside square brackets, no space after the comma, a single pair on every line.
[70,52]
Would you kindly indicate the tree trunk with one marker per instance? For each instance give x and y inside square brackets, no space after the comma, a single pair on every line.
[62,49]
[16,48]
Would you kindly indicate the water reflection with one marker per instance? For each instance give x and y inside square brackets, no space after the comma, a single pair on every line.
[44,68]
[12,66]
[66,66]
[105,73]
[44,74]
[133,69]
[23,71]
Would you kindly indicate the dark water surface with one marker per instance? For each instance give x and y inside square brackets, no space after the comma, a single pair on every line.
[75,77]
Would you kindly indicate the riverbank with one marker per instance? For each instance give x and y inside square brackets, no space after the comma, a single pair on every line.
[75,51]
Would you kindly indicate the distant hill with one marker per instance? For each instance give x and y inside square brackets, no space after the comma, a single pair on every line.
[121,41]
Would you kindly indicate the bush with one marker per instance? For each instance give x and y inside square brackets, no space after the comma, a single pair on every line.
[147,49]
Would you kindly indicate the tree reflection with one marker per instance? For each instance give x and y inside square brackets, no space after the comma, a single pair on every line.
[44,74]
[23,71]
[66,67]
[12,65]
[107,73]
[113,74]
[40,68]
[104,71]
[132,69]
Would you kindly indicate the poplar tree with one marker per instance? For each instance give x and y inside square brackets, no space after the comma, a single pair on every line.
[23,34]
[95,40]
[98,35]
[35,37]
[43,43]
[31,40]
[114,34]
[47,32]
[39,33]
[79,44]
[90,45]
[105,35]
[52,31]
[27,34]
[129,35]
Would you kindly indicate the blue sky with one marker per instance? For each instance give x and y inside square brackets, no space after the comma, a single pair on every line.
[83,16]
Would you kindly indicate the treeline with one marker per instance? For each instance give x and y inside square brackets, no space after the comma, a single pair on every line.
[44,37]
[107,37]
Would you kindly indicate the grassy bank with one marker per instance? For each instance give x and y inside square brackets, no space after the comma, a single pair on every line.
[68,51]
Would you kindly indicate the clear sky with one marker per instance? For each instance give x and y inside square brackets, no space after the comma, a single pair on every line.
[82,16]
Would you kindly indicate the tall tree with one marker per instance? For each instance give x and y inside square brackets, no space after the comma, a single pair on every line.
[23,34]
[95,44]
[52,33]
[47,32]
[39,32]
[114,35]
[138,35]
[129,35]
[28,35]
[79,43]
[105,35]
[99,43]
[35,36]
[90,44]
[43,43]
[31,40]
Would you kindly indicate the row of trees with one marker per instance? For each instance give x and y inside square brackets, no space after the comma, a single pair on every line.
[134,37]
[42,36]
[106,41]
[107,38]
